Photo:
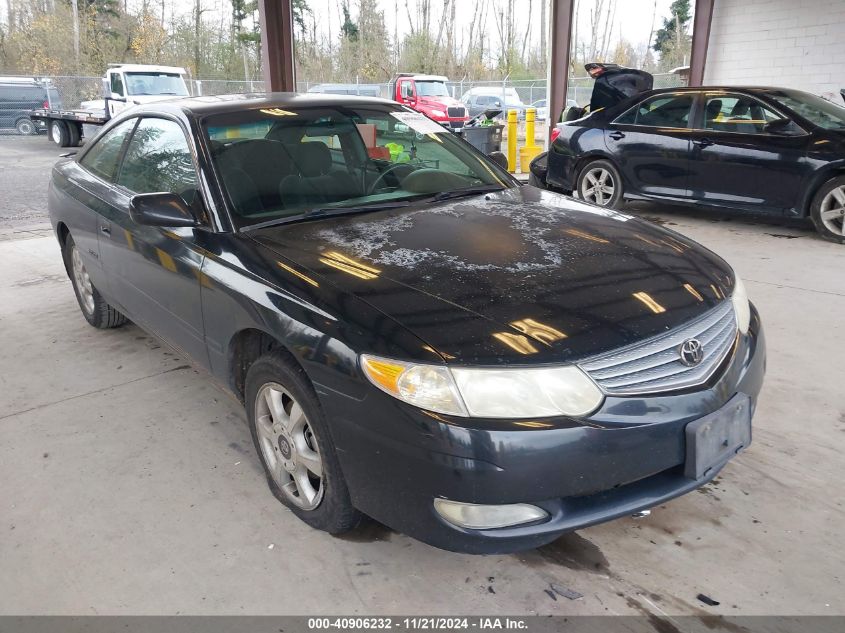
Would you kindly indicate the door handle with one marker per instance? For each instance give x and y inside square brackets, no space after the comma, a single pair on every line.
[617,135]
[703,142]
[105,229]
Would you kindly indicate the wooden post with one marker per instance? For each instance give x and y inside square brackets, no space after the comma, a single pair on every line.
[700,40]
[561,34]
[277,61]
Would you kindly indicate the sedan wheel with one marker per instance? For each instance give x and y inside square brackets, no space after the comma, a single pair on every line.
[599,183]
[82,282]
[289,446]
[95,309]
[295,444]
[598,186]
[828,210]
[832,211]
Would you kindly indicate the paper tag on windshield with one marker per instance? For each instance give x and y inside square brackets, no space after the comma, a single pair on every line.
[419,123]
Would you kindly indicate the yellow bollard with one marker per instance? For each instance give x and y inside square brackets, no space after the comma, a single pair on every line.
[530,117]
[512,119]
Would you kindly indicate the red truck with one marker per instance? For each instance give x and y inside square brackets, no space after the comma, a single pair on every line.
[428,94]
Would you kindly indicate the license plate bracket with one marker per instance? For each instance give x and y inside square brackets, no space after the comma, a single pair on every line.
[716,437]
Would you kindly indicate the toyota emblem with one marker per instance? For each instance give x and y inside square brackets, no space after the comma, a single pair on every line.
[691,352]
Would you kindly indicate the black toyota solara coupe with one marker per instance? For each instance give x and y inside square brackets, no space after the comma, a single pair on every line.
[762,150]
[414,336]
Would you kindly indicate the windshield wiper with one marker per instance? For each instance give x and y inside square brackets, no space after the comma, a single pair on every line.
[326,212]
[467,191]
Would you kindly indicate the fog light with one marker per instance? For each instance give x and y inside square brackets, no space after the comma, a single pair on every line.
[485,517]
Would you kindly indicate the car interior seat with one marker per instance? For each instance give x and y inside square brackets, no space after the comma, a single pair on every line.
[252,171]
[711,114]
[747,117]
[316,182]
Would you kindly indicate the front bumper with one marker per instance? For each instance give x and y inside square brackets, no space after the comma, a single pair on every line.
[628,456]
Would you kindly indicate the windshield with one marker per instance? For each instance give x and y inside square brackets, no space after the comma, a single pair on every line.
[156,84]
[431,89]
[282,163]
[816,110]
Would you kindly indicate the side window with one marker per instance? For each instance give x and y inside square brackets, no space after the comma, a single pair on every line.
[406,90]
[661,111]
[736,113]
[103,157]
[158,159]
[116,83]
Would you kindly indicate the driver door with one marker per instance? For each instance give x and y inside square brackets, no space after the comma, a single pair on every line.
[117,101]
[735,162]
[157,269]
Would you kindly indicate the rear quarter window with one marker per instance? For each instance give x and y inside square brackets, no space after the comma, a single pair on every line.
[668,111]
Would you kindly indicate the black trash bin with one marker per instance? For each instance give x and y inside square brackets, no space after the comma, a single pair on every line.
[485,138]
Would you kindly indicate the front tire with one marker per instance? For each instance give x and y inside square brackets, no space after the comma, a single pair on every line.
[828,210]
[295,446]
[599,183]
[95,309]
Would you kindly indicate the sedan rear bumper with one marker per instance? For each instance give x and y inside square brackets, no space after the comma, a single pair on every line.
[629,457]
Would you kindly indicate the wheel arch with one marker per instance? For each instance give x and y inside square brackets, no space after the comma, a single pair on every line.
[817,182]
[245,347]
[61,233]
[593,156]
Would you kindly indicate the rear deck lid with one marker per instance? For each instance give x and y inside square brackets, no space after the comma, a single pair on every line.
[616,83]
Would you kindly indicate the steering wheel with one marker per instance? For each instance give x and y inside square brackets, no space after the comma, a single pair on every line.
[381,176]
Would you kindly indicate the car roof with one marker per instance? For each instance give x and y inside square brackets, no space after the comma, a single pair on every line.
[748,89]
[222,104]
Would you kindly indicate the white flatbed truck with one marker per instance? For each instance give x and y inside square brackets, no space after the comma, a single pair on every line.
[124,86]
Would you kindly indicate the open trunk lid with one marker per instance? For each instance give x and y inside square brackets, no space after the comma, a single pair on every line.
[616,83]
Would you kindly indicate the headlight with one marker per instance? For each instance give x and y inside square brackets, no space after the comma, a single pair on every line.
[486,393]
[741,306]
[438,113]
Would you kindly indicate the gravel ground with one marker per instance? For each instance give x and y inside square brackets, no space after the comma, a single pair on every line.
[25,163]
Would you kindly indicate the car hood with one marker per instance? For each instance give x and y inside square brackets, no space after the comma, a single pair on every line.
[521,275]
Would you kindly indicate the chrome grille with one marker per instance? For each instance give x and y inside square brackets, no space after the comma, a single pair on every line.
[655,366]
[456,111]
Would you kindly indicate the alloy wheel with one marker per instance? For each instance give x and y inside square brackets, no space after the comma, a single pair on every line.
[598,186]
[83,282]
[832,211]
[289,446]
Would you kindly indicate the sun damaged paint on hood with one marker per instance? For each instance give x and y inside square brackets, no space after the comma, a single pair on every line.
[519,276]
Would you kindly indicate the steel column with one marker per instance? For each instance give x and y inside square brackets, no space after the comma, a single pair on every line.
[700,40]
[561,33]
[277,65]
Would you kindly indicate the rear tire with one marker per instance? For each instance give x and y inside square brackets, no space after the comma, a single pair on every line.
[95,309]
[293,441]
[25,127]
[75,134]
[828,210]
[60,133]
[599,183]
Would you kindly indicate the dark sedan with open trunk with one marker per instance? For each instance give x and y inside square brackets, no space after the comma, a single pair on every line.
[776,151]
[415,337]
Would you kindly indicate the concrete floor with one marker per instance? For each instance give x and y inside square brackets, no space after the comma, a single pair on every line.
[130,486]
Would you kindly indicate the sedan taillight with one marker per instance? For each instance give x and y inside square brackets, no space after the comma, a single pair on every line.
[555,134]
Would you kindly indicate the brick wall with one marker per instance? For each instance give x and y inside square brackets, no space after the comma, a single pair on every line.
[791,43]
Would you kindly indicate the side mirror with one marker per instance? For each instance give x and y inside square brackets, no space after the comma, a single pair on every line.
[161,209]
[778,126]
[500,159]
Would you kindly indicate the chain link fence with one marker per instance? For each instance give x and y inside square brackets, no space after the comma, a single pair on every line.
[19,95]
